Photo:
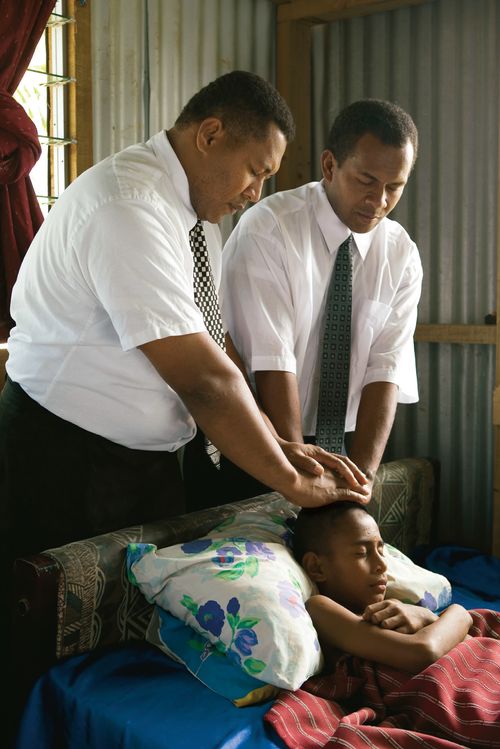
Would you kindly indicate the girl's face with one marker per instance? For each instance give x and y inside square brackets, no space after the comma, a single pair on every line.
[354,570]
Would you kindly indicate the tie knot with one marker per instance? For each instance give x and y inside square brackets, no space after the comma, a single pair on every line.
[197,239]
[196,231]
[346,244]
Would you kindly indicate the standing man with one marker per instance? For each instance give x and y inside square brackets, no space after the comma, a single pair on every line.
[115,355]
[277,267]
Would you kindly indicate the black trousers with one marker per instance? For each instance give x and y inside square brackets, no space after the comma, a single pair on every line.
[60,483]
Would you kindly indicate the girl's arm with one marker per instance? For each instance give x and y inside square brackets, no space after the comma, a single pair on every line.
[339,628]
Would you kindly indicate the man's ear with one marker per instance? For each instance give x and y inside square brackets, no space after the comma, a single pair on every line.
[210,131]
[312,565]
[328,165]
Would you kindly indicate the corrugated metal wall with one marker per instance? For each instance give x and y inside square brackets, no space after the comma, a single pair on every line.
[440,61]
[118,66]
[150,56]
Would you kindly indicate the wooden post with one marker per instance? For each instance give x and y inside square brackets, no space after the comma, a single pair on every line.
[495,542]
[293,81]
[80,92]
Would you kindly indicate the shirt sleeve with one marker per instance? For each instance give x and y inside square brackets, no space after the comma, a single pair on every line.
[256,301]
[392,354]
[139,267]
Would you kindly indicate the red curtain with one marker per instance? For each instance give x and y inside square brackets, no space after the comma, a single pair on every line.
[22,23]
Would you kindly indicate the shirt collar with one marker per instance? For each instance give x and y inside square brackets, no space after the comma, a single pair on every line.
[332,228]
[168,158]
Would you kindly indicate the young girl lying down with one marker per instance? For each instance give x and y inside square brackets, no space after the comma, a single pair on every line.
[340,548]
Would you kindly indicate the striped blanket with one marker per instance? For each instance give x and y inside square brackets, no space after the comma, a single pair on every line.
[452,704]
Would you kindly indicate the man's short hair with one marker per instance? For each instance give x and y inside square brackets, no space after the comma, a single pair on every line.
[313,527]
[245,103]
[384,119]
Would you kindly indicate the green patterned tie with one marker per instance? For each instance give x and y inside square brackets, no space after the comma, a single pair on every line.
[336,354]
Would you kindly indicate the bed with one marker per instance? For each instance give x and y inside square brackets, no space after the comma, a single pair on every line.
[80,628]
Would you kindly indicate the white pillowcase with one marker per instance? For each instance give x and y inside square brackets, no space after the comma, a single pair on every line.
[410,583]
[245,597]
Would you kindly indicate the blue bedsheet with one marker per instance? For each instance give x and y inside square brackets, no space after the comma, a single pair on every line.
[475,577]
[135,697]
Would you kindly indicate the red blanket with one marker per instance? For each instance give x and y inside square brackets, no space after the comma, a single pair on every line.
[453,704]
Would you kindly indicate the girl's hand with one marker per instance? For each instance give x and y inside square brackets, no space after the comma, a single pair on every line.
[398,616]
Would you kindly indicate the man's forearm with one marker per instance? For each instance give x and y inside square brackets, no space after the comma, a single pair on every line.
[374,422]
[223,406]
[279,391]
[233,354]
[278,394]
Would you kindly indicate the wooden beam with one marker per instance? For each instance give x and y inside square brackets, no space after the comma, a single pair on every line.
[80,92]
[293,80]
[465,334]
[496,413]
[496,406]
[322,11]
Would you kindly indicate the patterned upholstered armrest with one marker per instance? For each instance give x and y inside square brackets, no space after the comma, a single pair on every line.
[82,587]
[403,502]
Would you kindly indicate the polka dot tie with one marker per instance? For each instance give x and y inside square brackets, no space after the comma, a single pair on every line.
[336,354]
[205,297]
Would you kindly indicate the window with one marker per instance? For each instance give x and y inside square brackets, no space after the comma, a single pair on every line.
[56,91]
[58,101]
[43,92]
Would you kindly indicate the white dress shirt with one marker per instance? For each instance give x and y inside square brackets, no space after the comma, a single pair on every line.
[110,269]
[276,268]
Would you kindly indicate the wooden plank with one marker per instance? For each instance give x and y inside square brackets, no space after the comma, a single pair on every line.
[293,80]
[495,541]
[322,11]
[496,406]
[495,533]
[80,93]
[465,334]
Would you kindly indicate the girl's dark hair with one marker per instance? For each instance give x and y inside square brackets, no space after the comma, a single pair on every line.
[313,527]
[245,103]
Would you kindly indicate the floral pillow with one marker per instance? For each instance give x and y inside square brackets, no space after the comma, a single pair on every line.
[269,524]
[205,661]
[245,597]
